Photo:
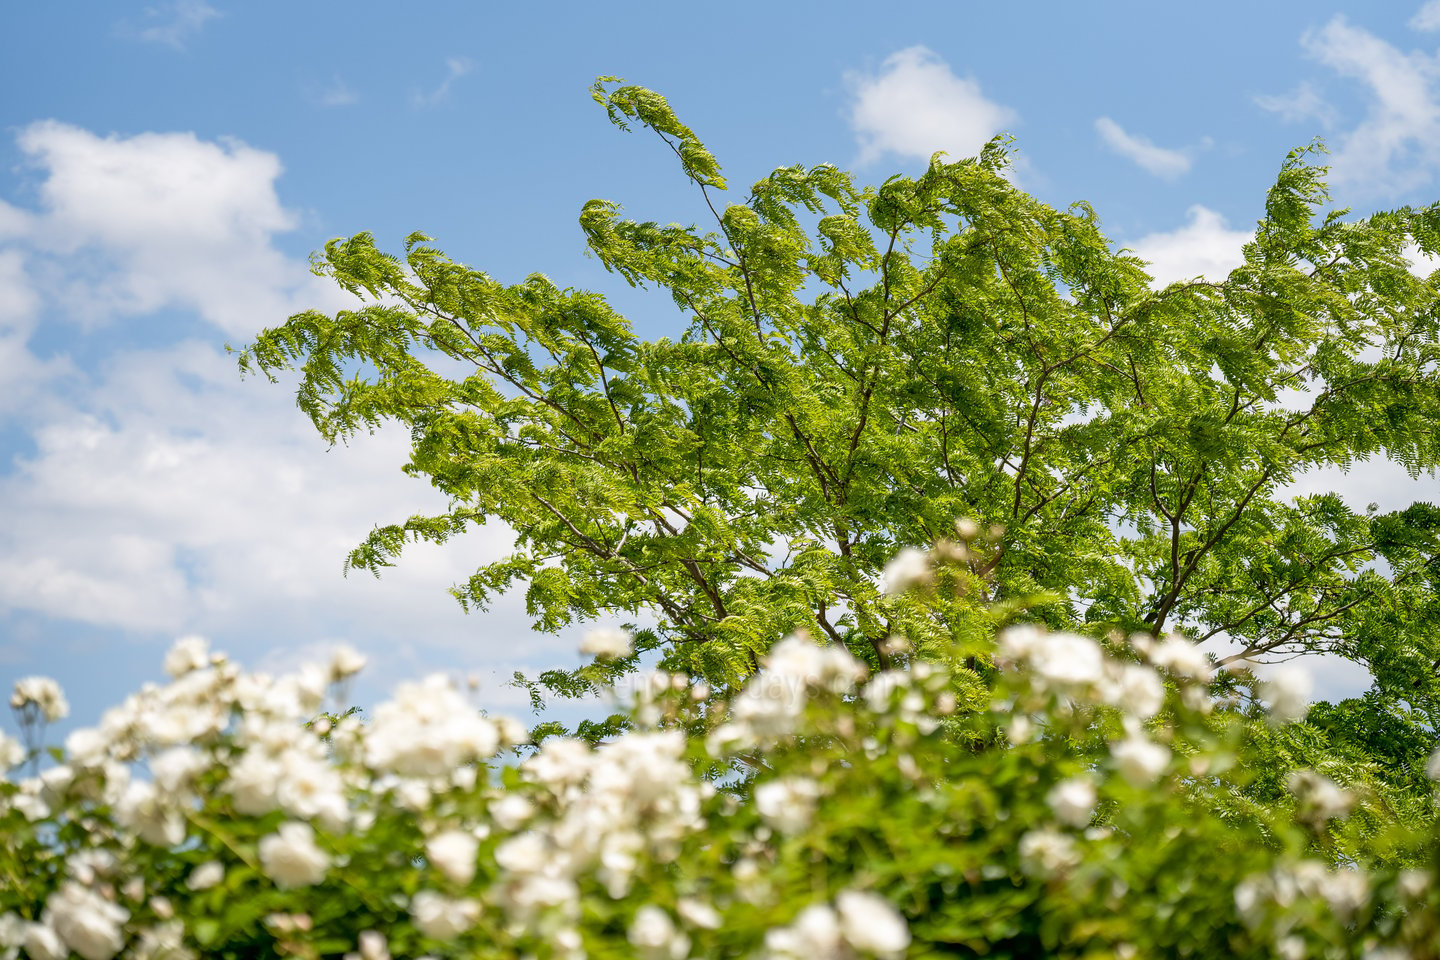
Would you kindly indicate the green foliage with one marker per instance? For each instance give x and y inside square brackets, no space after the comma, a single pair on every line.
[861,365]
[858,366]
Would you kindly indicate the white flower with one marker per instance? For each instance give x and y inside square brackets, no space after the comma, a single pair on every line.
[1140,691]
[787,804]
[511,810]
[1016,642]
[43,943]
[774,699]
[870,924]
[88,923]
[186,655]
[175,768]
[1182,658]
[142,810]
[440,917]
[43,693]
[607,642]
[208,874]
[1432,769]
[428,730]
[453,854]
[1291,948]
[1020,729]
[801,659]
[1073,802]
[1044,852]
[1060,660]
[697,913]
[1413,883]
[653,933]
[373,946]
[291,857]
[12,752]
[163,942]
[12,933]
[1139,759]
[346,661]
[253,782]
[1288,690]
[1346,890]
[309,787]
[523,853]
[813,935]
[1386,953]
[907,568]
[1248,900]
[560,762]
[1323,798]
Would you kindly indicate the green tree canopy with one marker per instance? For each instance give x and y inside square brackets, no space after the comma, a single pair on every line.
[860,366]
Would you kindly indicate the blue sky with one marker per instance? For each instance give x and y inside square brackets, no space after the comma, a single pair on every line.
[165,169]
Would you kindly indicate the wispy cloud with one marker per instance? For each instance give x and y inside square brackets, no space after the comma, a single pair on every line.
[1301,104]
[173,24]
[1427,17]
[1395,146]
[1164,163]
[455,68]
[337,94]
[915,106]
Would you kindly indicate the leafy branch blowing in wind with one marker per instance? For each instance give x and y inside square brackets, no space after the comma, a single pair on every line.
[860,366]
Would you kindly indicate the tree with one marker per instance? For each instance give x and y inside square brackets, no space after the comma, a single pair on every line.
[861,366]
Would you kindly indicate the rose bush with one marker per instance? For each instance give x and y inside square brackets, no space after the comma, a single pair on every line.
[1088,798]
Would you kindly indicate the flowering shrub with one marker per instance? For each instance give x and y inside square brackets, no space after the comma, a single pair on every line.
[1085,806]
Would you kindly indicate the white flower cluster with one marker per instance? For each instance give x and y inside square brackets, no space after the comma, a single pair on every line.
[605,811]
[772,704]
[1321,799]
[608,643]
[1076,667]
[1344,891]
[41,694]
[859,923]
[528,854]
[907,568]
[1073,665]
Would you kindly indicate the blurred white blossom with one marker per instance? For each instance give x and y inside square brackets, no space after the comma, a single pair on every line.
[1288,690]
[610,642]
[291,857]
[1073,801]
[42,693]
[443,918]
[871,925]
[453,852]
[1139,759]
[907,568]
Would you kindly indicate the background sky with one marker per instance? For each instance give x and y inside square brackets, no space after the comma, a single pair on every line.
[166,168]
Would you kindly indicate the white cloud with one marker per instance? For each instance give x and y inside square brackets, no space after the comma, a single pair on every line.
[163,220]
[1427,17]
[164,495]
[1301,104]
[174,23]
[915,106]
[1163,163]
[455,68]
[25,376]
[337,94]
[1204,247]
[1396,145]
